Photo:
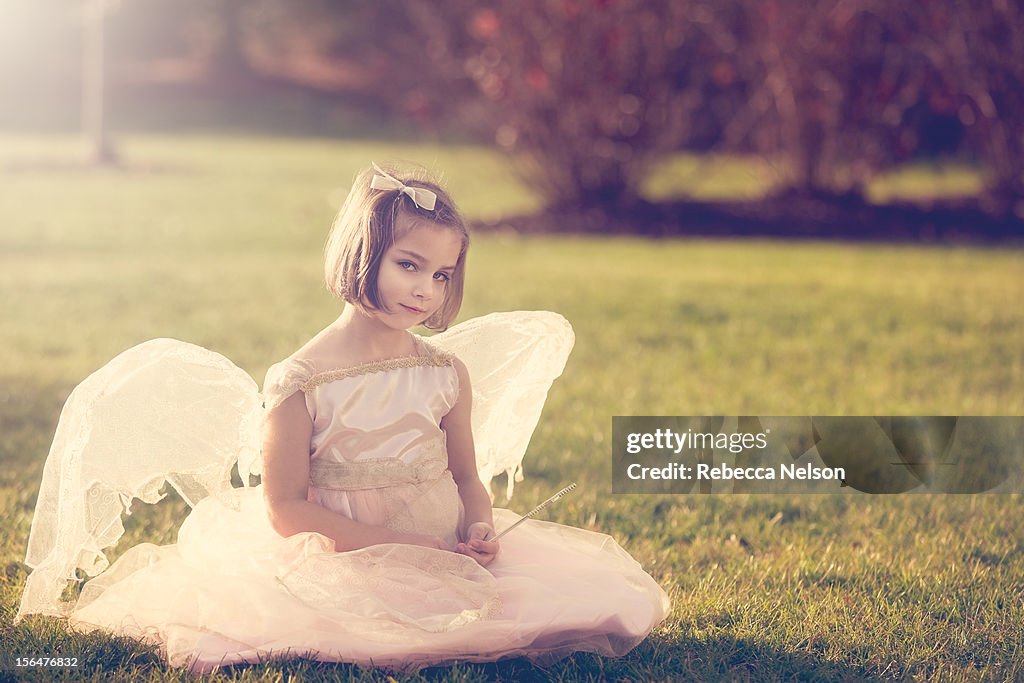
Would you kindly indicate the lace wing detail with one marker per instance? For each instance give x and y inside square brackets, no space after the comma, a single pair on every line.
[512,360]
[162,411]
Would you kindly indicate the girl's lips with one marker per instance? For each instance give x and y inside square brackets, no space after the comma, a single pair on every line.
[411,309]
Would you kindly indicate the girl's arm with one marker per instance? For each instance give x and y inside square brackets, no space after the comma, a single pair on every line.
[287,430]
[462,464]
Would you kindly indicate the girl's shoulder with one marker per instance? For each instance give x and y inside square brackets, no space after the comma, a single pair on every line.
[294,373]
[286,377]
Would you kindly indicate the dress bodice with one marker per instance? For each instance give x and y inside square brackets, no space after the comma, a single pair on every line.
[377,450]
[381,409]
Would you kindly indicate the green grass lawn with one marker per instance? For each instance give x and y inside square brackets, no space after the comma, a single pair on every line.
[713,178]
[216,240]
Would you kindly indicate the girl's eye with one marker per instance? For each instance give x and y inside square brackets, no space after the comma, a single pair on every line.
[441,277]
[407,265]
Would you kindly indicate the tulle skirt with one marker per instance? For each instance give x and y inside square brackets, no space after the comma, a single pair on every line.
[232,590]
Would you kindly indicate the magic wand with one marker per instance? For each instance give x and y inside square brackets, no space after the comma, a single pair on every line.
[535,510]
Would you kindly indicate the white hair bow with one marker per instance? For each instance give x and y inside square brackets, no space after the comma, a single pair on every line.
[423,198]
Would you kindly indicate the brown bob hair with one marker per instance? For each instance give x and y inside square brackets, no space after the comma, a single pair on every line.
[365,229]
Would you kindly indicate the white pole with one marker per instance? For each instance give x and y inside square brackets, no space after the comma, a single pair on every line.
[93,83]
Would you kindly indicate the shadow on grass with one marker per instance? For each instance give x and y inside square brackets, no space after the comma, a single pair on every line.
[674,658]
[788,215]
[712,659]
[726,658]
[80,656]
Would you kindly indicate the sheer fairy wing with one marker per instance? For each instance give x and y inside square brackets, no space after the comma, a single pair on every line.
[512,360]
[162,411]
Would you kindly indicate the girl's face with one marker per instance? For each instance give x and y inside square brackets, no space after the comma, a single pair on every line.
[413,277]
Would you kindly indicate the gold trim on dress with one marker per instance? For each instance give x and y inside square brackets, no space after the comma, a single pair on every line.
[434,358]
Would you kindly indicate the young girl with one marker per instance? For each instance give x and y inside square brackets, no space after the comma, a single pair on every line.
[371,536]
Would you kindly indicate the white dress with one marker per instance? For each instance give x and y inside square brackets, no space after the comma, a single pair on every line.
[232,590]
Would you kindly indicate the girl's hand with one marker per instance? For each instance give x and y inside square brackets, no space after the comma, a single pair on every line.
[481,550]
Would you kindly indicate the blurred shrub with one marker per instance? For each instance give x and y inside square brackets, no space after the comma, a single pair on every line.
[831,89]
[842,89]
[977,49]
[586,96]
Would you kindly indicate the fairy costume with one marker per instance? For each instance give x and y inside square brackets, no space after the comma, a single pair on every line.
[232,590]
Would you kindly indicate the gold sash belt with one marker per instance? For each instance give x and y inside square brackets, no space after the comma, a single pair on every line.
[377,474]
